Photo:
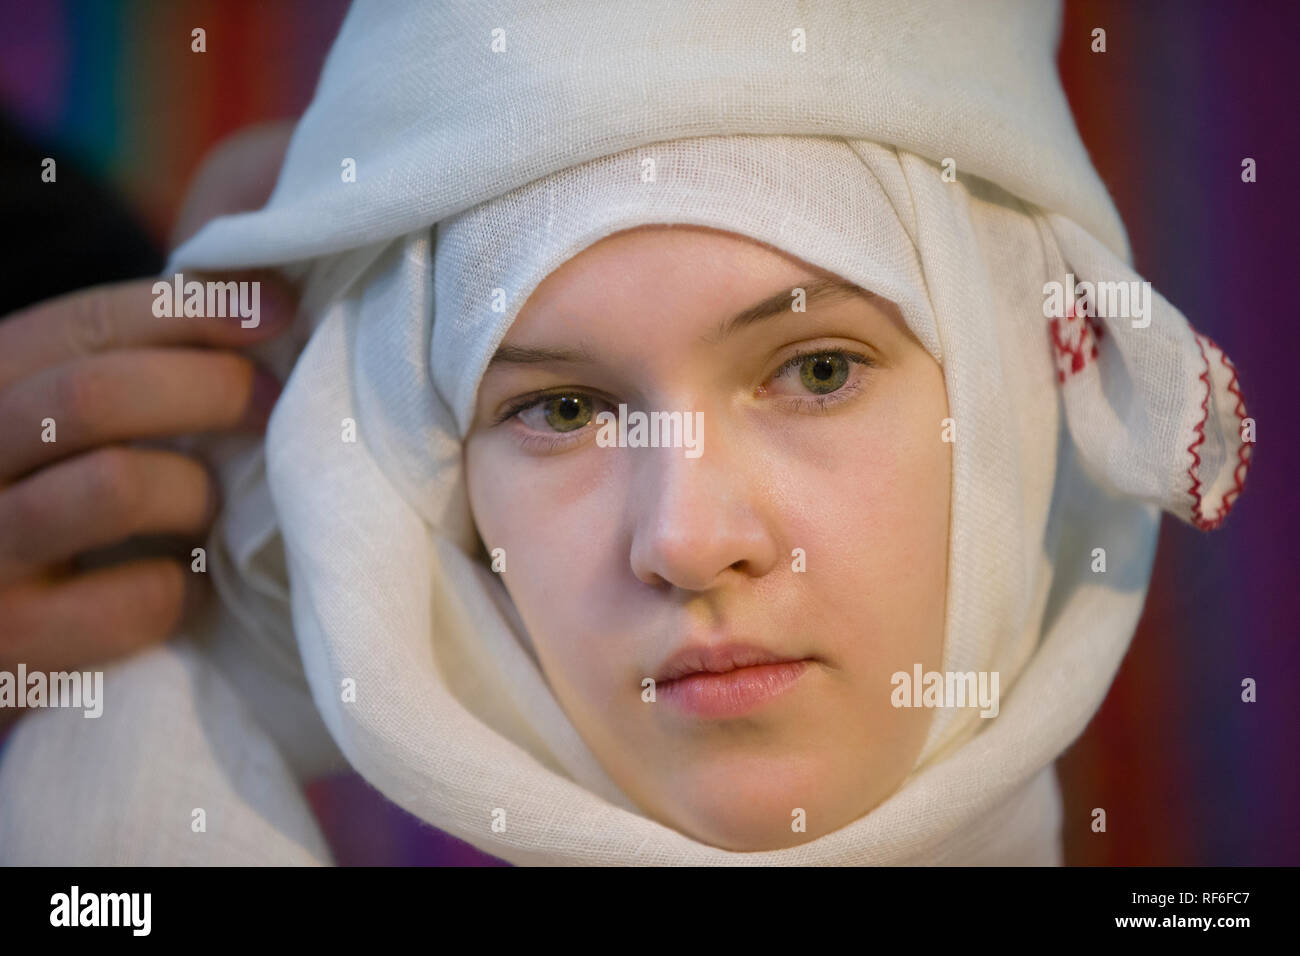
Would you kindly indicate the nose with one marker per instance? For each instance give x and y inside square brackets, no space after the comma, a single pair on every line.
[696,519]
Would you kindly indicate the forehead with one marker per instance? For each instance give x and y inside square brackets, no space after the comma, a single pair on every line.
[663,270]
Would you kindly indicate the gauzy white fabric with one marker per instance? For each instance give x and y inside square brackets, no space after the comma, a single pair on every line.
[1059,450]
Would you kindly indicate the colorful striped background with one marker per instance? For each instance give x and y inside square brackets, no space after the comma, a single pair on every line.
[1187,773]
[116,85]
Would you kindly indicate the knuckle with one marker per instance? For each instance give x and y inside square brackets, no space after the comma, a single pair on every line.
[113,480]
[27,514]
[82,392]
[90,326]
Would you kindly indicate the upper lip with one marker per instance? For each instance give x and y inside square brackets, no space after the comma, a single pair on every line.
[718,659]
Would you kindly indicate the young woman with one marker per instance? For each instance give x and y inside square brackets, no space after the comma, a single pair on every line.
[863,567]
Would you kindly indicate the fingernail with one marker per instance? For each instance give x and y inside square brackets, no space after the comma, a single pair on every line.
[213,505]
[265,392]
[195,596]
[278,305]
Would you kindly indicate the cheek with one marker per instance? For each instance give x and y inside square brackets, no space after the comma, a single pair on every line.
[554,529]
[527,518]
[878,526]
[903,471]
[874,486]
[882,524]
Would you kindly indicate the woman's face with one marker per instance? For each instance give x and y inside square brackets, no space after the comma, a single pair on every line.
[810,523]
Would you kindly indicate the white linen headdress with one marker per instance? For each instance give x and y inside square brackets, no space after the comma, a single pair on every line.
[491,142]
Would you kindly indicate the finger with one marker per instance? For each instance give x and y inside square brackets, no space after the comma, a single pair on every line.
[121,316]
[96,617]
[119,396]
[98,499]
[237,175]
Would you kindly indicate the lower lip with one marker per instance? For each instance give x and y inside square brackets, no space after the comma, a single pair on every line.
[733,693]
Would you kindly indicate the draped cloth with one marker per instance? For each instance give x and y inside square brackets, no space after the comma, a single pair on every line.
[923,151]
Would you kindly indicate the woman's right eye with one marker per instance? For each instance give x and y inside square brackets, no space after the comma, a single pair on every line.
[554,422]
[560,412]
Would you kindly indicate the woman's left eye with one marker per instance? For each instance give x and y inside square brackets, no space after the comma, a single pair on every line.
[825,374]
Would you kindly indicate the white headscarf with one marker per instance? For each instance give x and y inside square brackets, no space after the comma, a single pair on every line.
[486,159]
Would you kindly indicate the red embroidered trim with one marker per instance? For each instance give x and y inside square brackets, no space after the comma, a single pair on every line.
[1074,342]
[1243,452]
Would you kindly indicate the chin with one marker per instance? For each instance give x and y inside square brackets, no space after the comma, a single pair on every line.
[748,805]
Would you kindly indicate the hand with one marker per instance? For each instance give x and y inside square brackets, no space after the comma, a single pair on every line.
[105,371]
[108,372]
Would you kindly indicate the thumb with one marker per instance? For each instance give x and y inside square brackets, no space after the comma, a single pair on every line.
[238,175]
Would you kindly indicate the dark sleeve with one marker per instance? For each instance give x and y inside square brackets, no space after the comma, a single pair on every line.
[66,235]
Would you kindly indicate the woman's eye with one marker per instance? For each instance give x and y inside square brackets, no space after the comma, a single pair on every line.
[561,413]
[823,373]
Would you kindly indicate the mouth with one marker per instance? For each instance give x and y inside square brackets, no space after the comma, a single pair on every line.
[728,680]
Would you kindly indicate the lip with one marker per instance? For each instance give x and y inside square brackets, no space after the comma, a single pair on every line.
[726,680]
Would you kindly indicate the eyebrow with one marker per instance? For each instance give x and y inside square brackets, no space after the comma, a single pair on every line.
[816,289]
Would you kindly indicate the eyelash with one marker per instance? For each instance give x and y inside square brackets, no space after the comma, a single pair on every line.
[816,405]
